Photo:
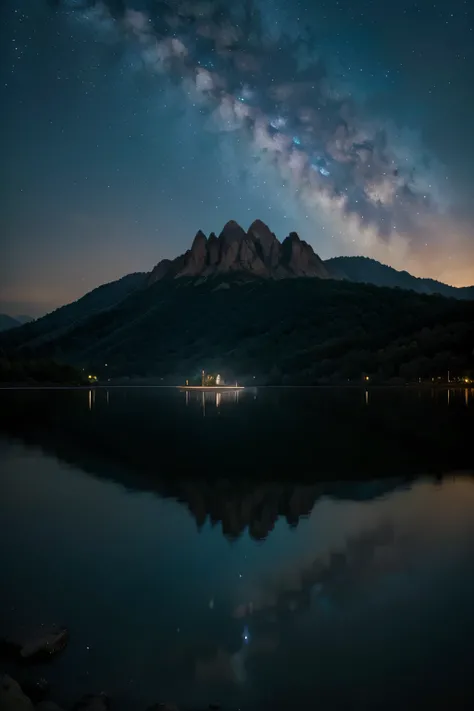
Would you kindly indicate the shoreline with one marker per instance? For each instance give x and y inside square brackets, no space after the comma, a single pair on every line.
[211,388]
[233,388]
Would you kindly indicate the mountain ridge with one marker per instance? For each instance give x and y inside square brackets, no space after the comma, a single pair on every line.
[267,331]
[57,322]
[255,253]
[365,270]
[148,323]
[8,322]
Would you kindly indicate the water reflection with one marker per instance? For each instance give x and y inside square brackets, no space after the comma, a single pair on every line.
[360,581]
[91,398]
[256,508]
[206,398]
[317,434]
[213,398]
[453,395]
[278,553]
[288,449]
[254,505]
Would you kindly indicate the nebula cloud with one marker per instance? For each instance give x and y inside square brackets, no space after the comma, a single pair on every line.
[340,161]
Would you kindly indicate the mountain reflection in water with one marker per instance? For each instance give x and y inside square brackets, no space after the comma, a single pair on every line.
[272,434]
[280,549]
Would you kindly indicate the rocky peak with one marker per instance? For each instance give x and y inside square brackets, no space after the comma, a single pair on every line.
[255,253]
[195,258]
[213,250]
[199,241]
[232,232]
[267,242]
[299,258]
[261,232]
[160,271]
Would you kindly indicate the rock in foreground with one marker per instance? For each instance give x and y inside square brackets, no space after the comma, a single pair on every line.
[48,642]
[12,697]
[36,689]
[93,702]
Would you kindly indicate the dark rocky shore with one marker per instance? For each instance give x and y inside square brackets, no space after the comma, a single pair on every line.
[32,692]
[13,697]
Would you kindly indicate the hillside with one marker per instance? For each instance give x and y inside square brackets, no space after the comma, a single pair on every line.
[55,324]
[7,322]
[289,330]
[24,318]
[253,307]
[369,271]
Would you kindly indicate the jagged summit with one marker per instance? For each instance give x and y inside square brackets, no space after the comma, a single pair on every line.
[256,252]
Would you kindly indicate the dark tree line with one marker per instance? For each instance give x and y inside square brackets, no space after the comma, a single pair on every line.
[20,371]
[290,331]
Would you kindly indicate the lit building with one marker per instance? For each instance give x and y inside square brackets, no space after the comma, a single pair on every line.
[207,380]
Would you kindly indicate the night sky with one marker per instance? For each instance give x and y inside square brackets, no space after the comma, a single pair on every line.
[127,125]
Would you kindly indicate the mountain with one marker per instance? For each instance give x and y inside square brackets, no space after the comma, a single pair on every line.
[241,304]
[7,322]
[255,253]
[24,318]
[258,253]
[58,322]
[290,331]
[369,271]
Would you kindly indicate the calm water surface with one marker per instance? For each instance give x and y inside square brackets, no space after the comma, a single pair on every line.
[275,549]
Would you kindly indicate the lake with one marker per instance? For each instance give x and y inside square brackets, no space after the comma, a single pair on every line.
[276,548]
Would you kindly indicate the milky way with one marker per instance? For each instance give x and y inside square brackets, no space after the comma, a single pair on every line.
[279,93]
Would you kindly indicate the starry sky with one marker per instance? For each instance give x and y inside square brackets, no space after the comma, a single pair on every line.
[127,125]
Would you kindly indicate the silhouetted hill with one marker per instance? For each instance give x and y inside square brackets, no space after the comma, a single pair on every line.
[58,322]
[280,331]
[242,304]
[7,322]
[369,271]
